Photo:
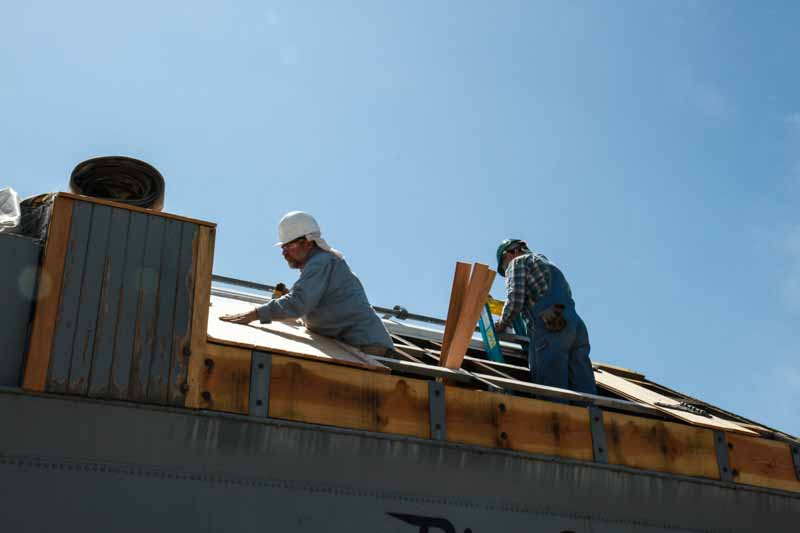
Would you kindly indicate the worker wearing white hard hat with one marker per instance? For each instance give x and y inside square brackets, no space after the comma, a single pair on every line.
[328,296]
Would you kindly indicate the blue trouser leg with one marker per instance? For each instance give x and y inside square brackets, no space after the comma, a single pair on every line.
[561,359]
[581,374]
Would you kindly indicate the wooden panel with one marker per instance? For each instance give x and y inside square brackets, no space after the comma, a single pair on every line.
[144,337]
[515,423]
[184,303]
[224,381]
[662,446]
[100,201]
[280,337]
[478,290]
[131,299]
[460,282]
[762,462]
[308,391]
[67,316]
[204,260]
[158,380]
[48,296]
[107,319]
[89,302]
[638,393]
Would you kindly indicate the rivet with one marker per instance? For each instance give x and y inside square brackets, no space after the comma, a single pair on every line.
[503,435]
[502,407]
[206,396]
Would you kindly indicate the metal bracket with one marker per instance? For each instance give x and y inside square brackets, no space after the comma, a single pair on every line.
[796,458]
[437,410]
[721,444]
[260,365]
[598,434]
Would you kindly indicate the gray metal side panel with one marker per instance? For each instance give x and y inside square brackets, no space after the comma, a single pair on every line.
[107,319]
[129,306]
[61,355]
[167,289]
[184,300]
[74,464]
[18,274]
[89,302]
[148,313]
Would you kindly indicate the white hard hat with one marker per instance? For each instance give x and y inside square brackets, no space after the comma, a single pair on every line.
[296,224]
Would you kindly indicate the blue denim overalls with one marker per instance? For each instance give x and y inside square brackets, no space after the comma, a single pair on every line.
[559,358]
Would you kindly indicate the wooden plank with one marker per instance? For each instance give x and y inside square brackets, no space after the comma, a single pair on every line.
[279,337]
[478,290]
[204,260]
[145,333]
[49,296]
[110,299]
[460,283]
[649,444]
[184,303]
[533,426]
[631,391]
[67,315]
[224,381]
[319,393]
[158,380]
[89,302]
[100,201]
[130,301]
[762,462]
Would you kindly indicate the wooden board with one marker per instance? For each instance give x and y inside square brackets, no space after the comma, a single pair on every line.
[204,263]
[224,380]
[280,337]
[650,444]
[478,290]
[320,393]
[762,462]
[638,393]
[100,201]
[460,282]
[515,423]
[48,296]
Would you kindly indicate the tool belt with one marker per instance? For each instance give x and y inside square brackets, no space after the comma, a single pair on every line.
[553,319]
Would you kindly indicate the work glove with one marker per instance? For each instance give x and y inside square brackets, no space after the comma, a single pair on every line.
[553,321]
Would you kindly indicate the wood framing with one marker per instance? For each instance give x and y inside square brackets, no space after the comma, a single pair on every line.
[320,393]
[460,282]
[48,296]
[224,379]
[662,446]
[762,462]
[480,282]
[202,299]
[515,423]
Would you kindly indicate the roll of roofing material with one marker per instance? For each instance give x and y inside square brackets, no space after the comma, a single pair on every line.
[119,179]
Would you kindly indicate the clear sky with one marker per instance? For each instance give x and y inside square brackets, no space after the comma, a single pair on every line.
[651,149]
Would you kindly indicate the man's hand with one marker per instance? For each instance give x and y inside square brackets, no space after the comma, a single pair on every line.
[500,327]
[241,318]
[553,321]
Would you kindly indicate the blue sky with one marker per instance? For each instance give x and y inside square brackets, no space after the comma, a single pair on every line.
[651,149]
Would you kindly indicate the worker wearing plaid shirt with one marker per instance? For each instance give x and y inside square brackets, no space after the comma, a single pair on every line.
[558,353]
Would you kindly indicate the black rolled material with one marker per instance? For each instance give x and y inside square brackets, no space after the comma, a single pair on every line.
[119,179]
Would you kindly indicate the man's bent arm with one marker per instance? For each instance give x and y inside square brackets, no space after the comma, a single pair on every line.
[515,290]
[302,298]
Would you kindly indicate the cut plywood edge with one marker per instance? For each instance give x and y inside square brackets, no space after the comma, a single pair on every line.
[280,337]
[641,394]
[473,301]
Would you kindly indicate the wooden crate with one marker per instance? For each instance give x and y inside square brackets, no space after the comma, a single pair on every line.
[122,303]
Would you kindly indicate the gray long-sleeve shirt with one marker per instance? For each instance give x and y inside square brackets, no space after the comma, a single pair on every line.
[331,301]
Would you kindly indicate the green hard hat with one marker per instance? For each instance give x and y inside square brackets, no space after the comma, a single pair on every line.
[505,246]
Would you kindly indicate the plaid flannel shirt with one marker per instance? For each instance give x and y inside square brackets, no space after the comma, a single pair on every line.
[527,279]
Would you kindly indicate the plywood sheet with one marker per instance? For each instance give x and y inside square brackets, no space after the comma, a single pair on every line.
[762,462]
[281,337]
[638,393]
[318,393]
[651,444]
[515,423]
